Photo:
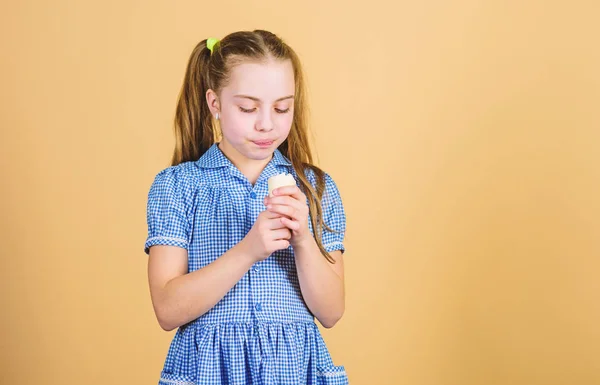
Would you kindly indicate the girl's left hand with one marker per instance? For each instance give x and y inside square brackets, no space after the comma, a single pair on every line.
[290,203]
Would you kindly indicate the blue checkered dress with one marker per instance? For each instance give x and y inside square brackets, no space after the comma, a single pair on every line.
[261,332]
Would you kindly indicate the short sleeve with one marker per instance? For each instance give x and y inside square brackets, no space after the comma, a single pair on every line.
[166,214]
[334,216]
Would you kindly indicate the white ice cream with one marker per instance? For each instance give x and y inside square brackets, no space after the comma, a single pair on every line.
[280,181]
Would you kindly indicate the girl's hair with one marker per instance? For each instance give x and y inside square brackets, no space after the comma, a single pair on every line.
[194,130]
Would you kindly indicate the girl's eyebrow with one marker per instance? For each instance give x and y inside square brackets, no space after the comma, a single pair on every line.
[258,100]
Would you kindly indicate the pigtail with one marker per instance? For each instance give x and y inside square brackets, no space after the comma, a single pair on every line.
[194,132]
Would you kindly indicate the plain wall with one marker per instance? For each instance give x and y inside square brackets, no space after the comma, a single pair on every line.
[463,136]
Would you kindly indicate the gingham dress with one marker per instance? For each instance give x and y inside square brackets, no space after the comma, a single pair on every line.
[261,332]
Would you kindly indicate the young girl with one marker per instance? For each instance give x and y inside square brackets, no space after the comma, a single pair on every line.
[240,273]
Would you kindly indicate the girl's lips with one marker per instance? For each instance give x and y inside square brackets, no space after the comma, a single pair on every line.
[263,143]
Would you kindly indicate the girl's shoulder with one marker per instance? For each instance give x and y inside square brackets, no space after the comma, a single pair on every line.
[182,171]
[312,174]
[181,179]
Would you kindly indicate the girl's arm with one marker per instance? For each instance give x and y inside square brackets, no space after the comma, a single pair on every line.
[179,297]
[321,283]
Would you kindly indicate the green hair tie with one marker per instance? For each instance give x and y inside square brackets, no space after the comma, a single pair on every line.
[210,43]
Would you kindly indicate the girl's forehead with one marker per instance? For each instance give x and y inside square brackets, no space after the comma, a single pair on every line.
[269,80]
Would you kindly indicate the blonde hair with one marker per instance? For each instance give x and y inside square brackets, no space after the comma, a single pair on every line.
[194,130]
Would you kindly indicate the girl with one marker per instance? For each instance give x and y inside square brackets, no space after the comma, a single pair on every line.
[241,274]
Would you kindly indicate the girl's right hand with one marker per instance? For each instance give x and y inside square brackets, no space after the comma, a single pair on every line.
[266,236]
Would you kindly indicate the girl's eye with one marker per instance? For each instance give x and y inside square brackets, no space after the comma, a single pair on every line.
[279,111]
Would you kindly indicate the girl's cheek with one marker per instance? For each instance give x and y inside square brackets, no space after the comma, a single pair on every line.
[241,120]
[286,118]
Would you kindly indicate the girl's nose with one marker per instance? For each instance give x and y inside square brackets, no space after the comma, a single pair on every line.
[265,122]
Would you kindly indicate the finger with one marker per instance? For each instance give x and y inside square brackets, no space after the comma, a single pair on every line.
[289,211]
[293,191]
[292,225]
[275,223]
[281,234]
[285,200]
[282,244]
[271,214]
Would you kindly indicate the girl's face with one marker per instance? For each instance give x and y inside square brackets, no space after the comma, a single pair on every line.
[257,109]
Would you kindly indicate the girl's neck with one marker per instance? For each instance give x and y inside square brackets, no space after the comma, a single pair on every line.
[250,168]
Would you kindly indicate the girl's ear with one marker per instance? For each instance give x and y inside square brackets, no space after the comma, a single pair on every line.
[213,102]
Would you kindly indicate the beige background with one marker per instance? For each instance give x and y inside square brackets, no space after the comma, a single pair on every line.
[463,135]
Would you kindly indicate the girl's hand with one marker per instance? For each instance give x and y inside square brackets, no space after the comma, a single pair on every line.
[290,203]
[266,236]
